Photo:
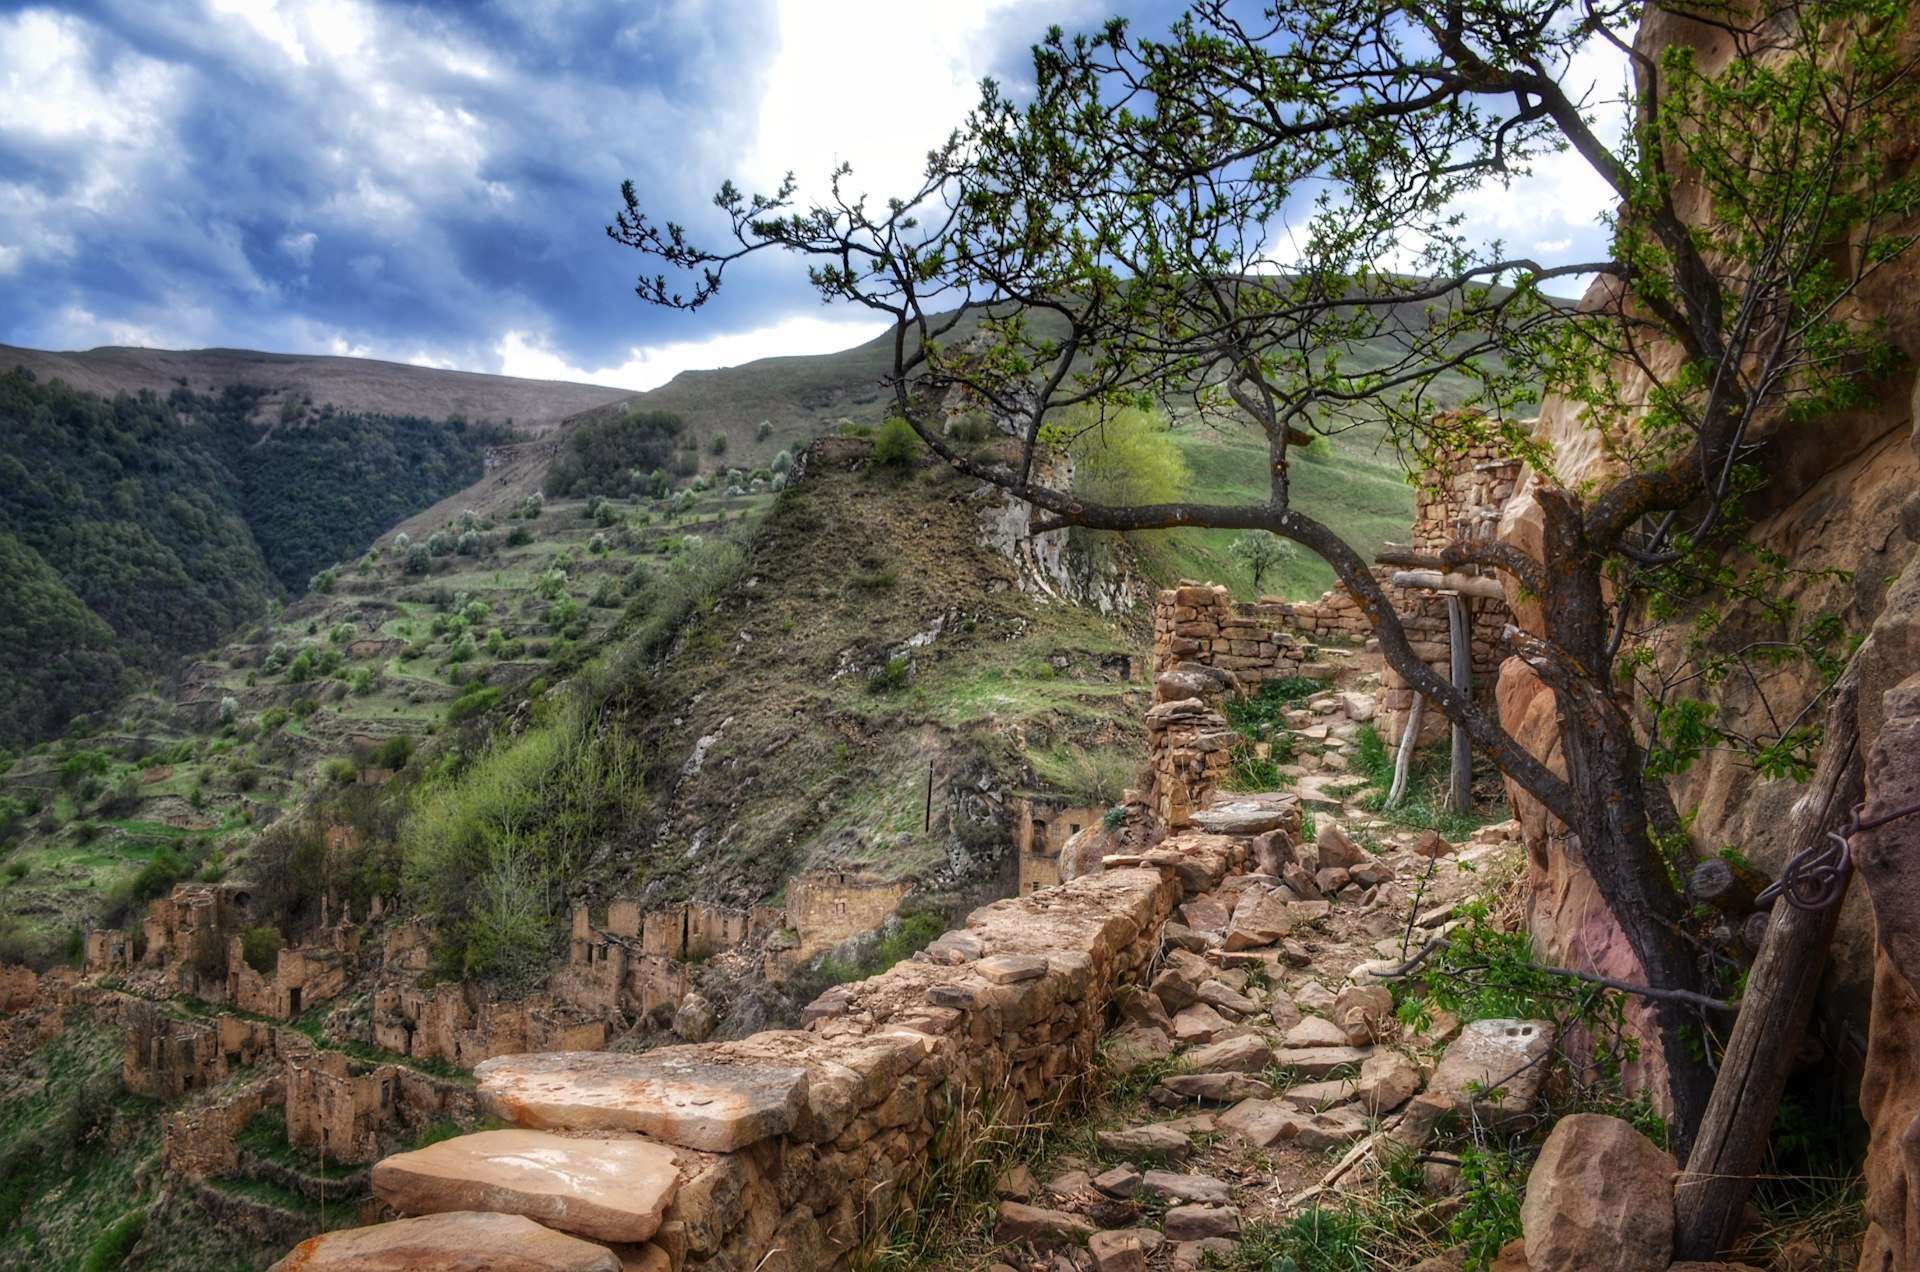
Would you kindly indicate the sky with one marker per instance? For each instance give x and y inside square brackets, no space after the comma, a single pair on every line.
[429,182]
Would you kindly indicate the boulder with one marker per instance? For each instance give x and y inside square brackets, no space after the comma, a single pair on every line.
[1331,1129]
[1262,1123]
[1122,1181]
[1311,1097]
[1017,1183]
[1296,953]
[1284,1012]
[1202,1190]
[1223,998]
[1198,1023]
[1506,1056]
[1273,852]
[1174,990]
[1360,1009]
[1335,848]
[1181,937]
[1260,919]
[1330,879]
[1244,1054]
[607,1189]
[1219,1088]
[952,949]
[1313,996]
[696,1019]
[1315,1031]
[1022,1223]
[1318,1062]
[1387,1080]
[1137,1045]
[1117,1252]
[1182,686]
[1599,1199]
[1431,845]
[1359,706]
[1069,1182]
[1208,912]
[459,1241]
[1149,1143]
[1198,1223]
[1142,1008]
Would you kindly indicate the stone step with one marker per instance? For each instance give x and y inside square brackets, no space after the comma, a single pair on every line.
[457,1242]
[715,1108]
[607,1189]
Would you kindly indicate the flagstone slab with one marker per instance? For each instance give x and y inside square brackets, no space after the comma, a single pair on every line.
[607,1189]
[715,1108]
[463,1241]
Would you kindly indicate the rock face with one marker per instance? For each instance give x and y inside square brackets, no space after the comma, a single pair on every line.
[712,1107]
[607,1189]
[461,1242]
[1507,1056]
[1600,1199]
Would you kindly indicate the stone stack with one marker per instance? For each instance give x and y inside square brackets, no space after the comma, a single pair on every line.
[1189,748]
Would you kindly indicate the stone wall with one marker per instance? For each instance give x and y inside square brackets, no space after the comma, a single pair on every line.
[1040,835]
[999,1017]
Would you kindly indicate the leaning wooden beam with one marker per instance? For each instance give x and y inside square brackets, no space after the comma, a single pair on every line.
[1781,988]
[1460,789]
[1465,584]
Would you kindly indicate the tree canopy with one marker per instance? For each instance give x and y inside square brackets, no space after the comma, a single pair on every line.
[1256,218]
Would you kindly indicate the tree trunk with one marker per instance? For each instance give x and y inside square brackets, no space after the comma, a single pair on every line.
[1781,988]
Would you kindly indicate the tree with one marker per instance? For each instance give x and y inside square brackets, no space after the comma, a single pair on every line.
[1255,217]
[1260,553]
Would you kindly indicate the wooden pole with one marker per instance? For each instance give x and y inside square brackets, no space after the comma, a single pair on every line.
[1460,790]
[929,826]
[1781,988]
[1404,756]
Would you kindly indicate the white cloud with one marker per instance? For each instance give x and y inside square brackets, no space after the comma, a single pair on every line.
[522,354]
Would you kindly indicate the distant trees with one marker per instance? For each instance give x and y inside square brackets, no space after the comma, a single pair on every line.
[1125,458]
[1261,553]
[602,454]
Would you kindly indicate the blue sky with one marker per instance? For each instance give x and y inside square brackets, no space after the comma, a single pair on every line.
[428,182]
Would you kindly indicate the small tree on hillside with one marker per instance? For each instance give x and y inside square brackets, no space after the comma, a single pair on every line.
[1261,554]
[1255,217]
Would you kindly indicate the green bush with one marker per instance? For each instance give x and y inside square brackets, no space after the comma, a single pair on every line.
[304,707]
[323,582]
[340,633]
[340,771]
[551,585]
[897,443]
[597,545]
[764,431]
[363,681]
[1126,458]
[606,515]
[782,462]
[419,560]
[472,704]
[261,947]
[476,612]
[462,648]
[394,752]
[301,671]
[438,544]
[519,536]
[273,717]
[469,543]
[893,676]
[719,444]
[82,764]
[157,877]
[606,594]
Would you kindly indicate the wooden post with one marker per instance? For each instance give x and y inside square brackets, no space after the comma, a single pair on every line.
[1403,758]
[1773,1016]
[929,795]
[1460,790]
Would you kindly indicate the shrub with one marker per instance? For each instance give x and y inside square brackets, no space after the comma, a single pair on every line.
[530,506]
[323,582]
[719,444]
[660,483]
[340,633]
[439,544]
[469,544]
[82,764]
[419,560]
[893,676]
[363,681]
[273,717]
[1126,458]
[782,462]
[563,613]
[339,770]
[519,536]
[476,612]
[597,545]
[606,594]
[606,515]
[472,704]
[551,585]
[157,877]
[764,431]
[760,474]
[735,477]
[394,752]
[229,710]
[304,707]
[469,519]
[462,649]
[261,947]
[897,443]
[969,430]
[401,541]
[276,657]
[327,663]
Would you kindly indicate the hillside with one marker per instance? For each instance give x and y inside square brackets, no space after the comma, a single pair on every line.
[352,385]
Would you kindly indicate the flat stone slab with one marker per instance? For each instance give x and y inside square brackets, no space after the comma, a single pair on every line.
[1220,1088]
[607,1189]
[1263,1123]
[1201,1189]
[1240,817]
[463,1241]
[715,1108]
[1154,1143]
[1316,1031]
[1011,969]
[1318,1062]
[1507,1055]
